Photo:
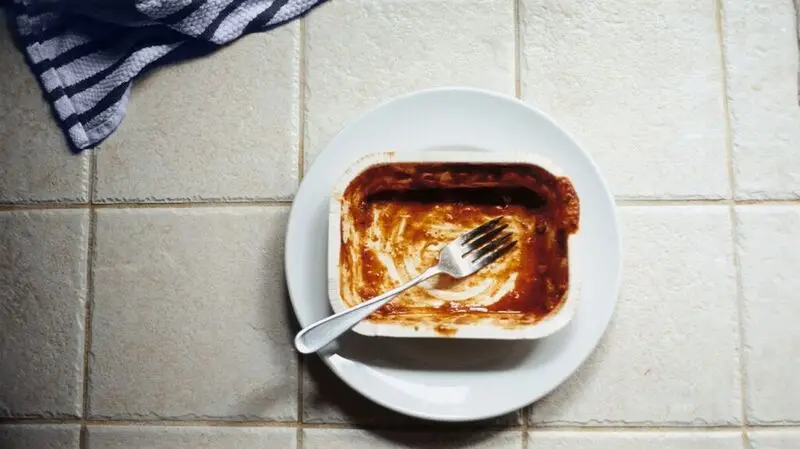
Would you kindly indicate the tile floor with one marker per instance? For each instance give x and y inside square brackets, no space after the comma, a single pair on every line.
[689,107]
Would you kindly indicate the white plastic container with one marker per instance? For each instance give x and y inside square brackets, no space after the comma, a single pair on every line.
[489,328]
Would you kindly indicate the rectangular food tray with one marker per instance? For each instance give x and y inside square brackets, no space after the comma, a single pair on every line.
[368,262]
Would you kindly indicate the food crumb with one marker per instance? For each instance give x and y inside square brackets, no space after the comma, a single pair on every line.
[445,331]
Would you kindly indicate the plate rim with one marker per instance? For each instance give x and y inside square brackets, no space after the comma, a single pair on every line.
[607,194]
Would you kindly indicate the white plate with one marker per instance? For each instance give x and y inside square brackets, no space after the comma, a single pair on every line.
[456,380]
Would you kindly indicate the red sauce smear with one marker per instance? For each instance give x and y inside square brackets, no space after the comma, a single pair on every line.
[424,194]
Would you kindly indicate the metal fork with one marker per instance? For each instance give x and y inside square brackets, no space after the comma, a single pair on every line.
[460,258]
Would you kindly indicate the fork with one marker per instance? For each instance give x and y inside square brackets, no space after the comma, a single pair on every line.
[460,258]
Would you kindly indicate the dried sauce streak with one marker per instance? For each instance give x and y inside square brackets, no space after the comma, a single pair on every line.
[401,214]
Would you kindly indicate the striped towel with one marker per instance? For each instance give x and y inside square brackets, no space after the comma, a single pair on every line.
[86,53]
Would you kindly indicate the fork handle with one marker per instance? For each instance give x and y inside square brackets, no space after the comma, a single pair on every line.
[318,335]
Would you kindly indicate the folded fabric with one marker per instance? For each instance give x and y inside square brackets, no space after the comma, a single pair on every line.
[87,53]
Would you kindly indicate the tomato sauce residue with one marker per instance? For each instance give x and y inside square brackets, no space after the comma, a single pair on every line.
[397,216]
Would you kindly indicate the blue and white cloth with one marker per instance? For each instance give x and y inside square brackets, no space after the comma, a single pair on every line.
[86,53]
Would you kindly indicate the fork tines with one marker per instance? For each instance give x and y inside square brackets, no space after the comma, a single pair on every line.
[485,244]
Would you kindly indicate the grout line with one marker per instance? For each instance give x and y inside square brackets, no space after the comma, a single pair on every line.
[191,204]
[22,421]
[725,106]
[637,428]
[719,11]
[83,437]
[87,324]
[785,426]
[707,202]
[685,202]
[740,322]
[288,202]
[89,308]
[526,415]
[41,206]
[425,427]
[301,101]
[301,135]
[300,368]
[191,423]
[148,205]
[517,52]
[786,202]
